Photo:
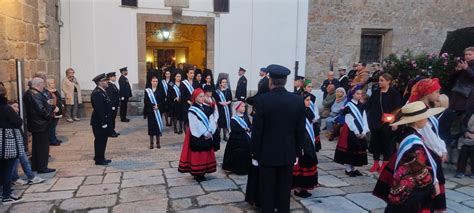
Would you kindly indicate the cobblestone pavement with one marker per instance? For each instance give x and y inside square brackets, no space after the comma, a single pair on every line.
[144,180]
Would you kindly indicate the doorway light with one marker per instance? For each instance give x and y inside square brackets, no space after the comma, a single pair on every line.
[165,33]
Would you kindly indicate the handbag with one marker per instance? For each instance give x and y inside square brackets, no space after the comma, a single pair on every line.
[461,89]
[386,117]
[11,143]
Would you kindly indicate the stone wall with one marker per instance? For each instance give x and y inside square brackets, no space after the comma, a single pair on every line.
[335,27]
[29,31]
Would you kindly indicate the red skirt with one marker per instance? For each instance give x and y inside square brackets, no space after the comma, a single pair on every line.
[305,177]
[196,163]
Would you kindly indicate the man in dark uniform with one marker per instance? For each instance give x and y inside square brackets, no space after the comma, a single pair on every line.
[241,90]
[100,120]
[125,94]
[113,93]
[277,133]
[299,85]
[263,83]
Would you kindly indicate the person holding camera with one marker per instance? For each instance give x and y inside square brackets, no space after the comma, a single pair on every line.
[462,97]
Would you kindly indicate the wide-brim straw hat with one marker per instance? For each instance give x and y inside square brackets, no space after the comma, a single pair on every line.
[416,111]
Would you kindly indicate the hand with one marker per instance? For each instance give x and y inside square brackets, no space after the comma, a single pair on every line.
[122,98]
[296,161]
[176,99]
[104,126]
[463,65]
[113,108]
[50,101]
[190,103]
[155,107]
[444,157]
[56,109]
[254,162]
[208,136]
[394,128]
[436,188]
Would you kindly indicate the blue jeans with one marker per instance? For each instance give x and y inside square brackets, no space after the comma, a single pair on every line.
[6,169]
[25,165]
[52,131]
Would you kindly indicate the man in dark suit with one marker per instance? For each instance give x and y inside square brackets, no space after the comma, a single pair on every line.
[327,82]
[343,79]
[113,93]
[263,83]
[299,85]
[277,132]
[100,120]
[241,90]
[125,94]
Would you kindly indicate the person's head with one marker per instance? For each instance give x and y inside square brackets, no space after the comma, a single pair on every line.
[415,114]
[357,96]
[375,66]
[208,90]
[307,98]
[263,72]
[112,76]
[361,66]
[70,72]
[40,74]
[101,81]
[385,80]
[124,71]
[426,90]
[194,67]
[342,71]
[208,79]
[443,101]
[330,88]
[198,77]
[278,75]
[239,107]
[242,71]
[51,83]
[340,92]
[198,96]
[308,85]
[469,54]
[354,66]
[330,75]
[38,83]
[154,81]
[167,74]
[177,77]
[223,83]
[190,74]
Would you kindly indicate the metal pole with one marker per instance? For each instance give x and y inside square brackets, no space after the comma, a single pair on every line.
[20,90]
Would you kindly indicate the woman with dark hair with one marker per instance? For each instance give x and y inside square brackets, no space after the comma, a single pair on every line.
[208,80]
[165,84]
[176,106]
[197,80]
[382,107]
[187,87]
[223,96]
[153,100]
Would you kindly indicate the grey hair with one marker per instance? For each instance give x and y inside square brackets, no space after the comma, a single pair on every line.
[36,81]
[342,90]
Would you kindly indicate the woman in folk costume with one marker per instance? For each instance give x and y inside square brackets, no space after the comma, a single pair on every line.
[197,154]
[223,96]
[176,110]
[211,102]
[308,87]
[409,182]
[165,84]
[305,171]
[186,88]
[237,151]
[153,99]
[427,91]
[351,149]
[382,107]
[208,80]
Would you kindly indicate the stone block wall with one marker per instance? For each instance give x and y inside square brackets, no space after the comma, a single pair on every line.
[335,27]
[29,31]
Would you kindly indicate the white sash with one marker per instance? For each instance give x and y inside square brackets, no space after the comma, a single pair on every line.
[189,86]
[165,86]
[153,100]
[434,123]
[176,90]
[204,119]
[310,130]
[241,122]
[407,144]
[226,107]
[356,112]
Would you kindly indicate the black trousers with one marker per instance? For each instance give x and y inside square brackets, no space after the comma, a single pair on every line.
[275,188]
[466,152]
[6,169]
[40,150]
[114,115]
[100,142]
[123,108]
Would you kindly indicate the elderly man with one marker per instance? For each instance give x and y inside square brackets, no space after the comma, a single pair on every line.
[343,78]
[328,81]
[38,114]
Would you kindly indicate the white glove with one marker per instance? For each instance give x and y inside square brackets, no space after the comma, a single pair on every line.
[254,162]
[113,108]
[104,126]
[122,98]
[296,162]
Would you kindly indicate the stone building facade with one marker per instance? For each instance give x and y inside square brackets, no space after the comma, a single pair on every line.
[29,30]
[336,28]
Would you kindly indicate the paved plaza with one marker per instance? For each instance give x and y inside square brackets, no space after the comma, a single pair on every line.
[144,180]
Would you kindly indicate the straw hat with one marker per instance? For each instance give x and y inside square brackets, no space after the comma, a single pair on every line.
[416,111]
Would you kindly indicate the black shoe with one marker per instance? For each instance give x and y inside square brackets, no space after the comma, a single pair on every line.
[125,120]
[357,173]
[101,163]
[350,174]
[11,199]
[113,135]
[168,124]
[55,144]
[60,141]
[108,161]
[302,194]
[180,132]
[200,178]
[47,170]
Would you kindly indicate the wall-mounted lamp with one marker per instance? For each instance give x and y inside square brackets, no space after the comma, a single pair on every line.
[165,33]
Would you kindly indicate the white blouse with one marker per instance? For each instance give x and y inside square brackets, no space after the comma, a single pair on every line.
[432,140]
[198,128]
[350,121]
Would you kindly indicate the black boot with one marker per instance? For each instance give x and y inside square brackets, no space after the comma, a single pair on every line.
[168,123]
[175,122]
[151,141]
[158,145]
[224,131]
[180,131]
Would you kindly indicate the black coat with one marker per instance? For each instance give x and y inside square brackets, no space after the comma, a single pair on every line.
[241,90]
[344,82]
[148,112]
[114,94]
[263,86]
[102,108]
[125,89]
[391,101]
[38,111]
[326,83]
[8,117]
[221,122]
[57,96]
[176,107]
[278,128]
[465,78]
